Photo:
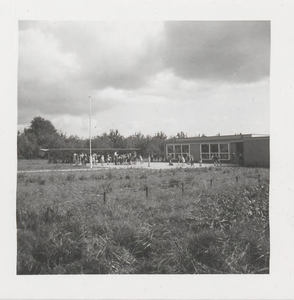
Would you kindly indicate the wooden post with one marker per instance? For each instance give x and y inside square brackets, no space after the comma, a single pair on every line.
[146,191]
[104,197]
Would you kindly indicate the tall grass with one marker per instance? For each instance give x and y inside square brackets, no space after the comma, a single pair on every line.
[67,225]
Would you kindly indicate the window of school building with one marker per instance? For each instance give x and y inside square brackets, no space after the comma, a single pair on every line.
[173,151]
[209,150]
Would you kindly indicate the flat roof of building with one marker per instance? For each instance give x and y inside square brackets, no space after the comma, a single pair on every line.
[233,137]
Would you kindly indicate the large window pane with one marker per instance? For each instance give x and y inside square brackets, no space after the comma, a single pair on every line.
[205,148]
[178,149]
[185,149]
[224,148]
[214,148]
[170,149]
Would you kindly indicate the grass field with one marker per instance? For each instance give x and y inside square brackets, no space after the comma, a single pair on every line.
[42,164]
[210,220]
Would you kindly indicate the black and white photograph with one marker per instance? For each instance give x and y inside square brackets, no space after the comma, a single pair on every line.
[143,147]
[146,149]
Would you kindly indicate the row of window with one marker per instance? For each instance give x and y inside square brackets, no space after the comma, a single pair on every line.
[173,151]
[207,151]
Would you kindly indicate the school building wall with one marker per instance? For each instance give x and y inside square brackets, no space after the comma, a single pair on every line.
[195,151]
[254,149]
[257,152]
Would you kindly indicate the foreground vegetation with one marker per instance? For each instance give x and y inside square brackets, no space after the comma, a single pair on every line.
[188,221]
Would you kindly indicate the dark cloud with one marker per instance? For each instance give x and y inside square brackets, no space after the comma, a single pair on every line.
[60,99]
[233,51]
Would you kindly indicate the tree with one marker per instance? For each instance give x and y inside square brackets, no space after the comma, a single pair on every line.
[73,141]
[116,138]
[27,146]
[45,133]
[40,134]
[161,135]
[102,141]
[181,135]
[136,140]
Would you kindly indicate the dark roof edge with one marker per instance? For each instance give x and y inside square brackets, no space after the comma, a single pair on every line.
[88,149]
[216,137]
[238,137]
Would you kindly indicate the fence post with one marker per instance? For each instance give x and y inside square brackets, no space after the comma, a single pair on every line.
[182,188]
[146,191]
[104,197]
[237,178]
[211,182]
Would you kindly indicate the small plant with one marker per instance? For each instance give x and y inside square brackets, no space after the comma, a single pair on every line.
[173,182]
[96,176]
[142,176]
[70,177]
[83,177]
[205,247]
[21,177]
[51,178]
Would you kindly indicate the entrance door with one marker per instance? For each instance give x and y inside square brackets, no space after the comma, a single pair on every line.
[240,153]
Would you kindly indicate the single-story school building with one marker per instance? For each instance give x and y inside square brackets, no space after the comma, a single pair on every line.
[243,149]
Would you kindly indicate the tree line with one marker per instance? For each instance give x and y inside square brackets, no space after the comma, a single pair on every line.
[41,134]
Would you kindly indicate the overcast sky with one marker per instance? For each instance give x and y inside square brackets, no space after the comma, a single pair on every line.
[196,77]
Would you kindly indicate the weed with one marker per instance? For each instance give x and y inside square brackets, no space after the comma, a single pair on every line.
[83,177]
[51,178]
[21,177]
[96,176]
[142,176]
[173,182]
[109,174]
[70,177]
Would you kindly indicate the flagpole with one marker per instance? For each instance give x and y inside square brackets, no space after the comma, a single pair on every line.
[90,137]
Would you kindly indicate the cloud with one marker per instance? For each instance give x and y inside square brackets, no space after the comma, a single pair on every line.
[115,54]
[62,63]
[144,76]
[228,51]
[45,73]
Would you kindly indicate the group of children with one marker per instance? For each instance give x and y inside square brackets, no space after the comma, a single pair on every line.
[190,160]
